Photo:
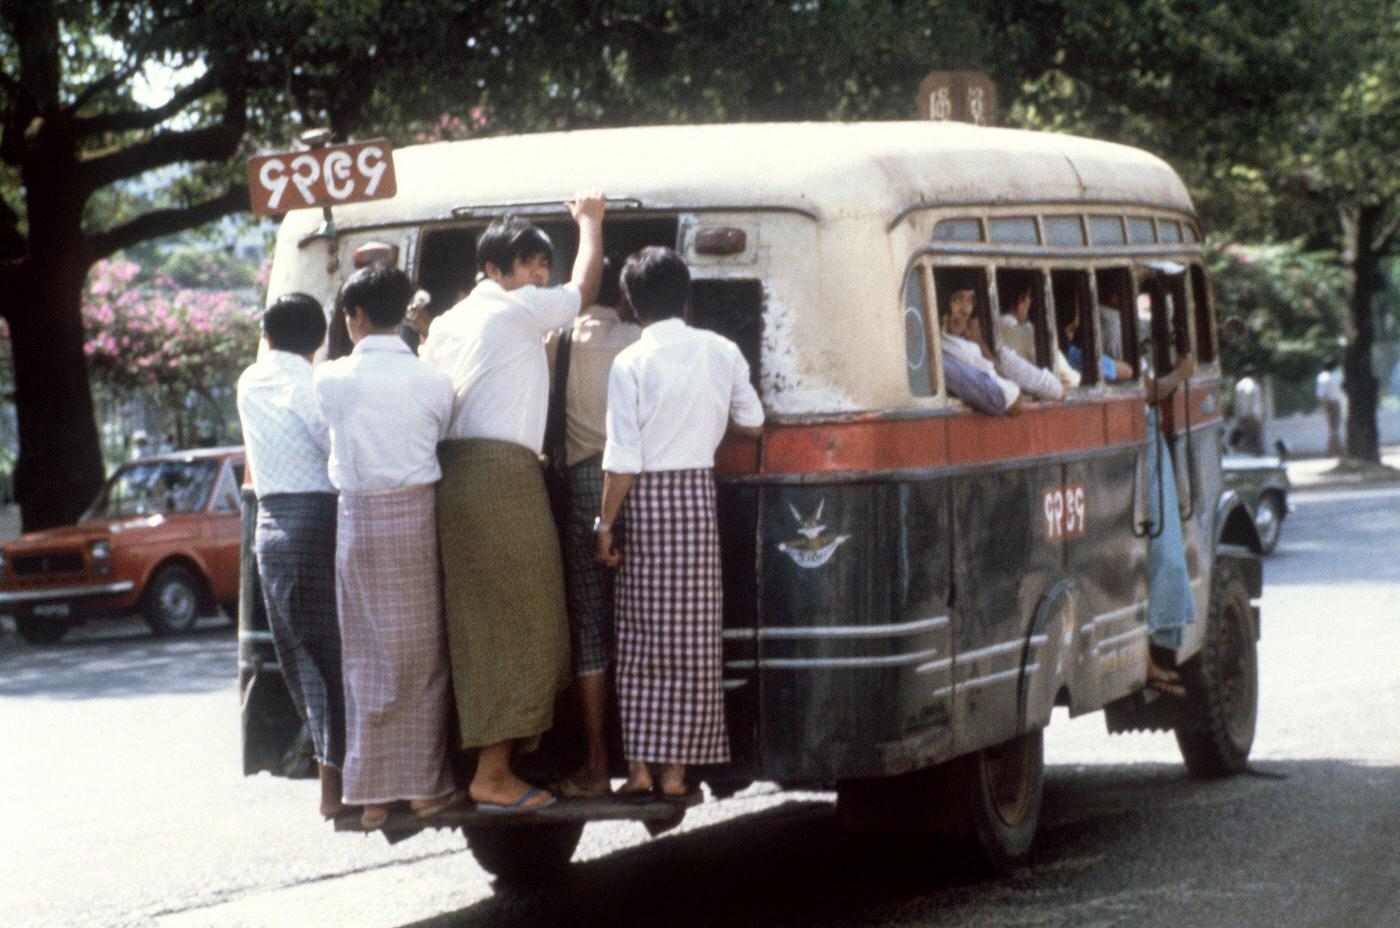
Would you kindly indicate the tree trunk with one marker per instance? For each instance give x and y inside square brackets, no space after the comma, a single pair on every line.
[60,470]
[1359,379]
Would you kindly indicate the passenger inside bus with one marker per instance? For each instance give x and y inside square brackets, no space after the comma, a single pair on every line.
[957,343]
[1110,369]
[1016,331]
[1035,381]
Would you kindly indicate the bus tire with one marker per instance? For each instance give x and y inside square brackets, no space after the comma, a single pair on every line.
[524,855]
[1001,789]
[1223,683]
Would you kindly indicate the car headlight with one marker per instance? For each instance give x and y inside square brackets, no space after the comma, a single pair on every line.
[100,552]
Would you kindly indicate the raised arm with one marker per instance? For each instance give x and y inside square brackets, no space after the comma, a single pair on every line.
[587,210]
[1160,389]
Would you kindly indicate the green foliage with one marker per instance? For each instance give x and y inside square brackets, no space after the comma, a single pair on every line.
[1282,310]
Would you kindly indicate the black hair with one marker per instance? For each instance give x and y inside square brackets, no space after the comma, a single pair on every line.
[656,283]
[508,240]
[295,322]
[382,291]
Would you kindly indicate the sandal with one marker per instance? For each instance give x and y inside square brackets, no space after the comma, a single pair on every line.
[374,819]
[442,805]
[568,789]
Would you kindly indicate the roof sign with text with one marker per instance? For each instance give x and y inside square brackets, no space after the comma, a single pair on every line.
[329,176]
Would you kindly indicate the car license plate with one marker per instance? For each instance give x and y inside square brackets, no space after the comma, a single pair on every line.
[52,609]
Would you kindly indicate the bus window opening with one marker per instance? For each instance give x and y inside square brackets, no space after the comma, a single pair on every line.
[1076,324]
[1022,323]
[1116,318]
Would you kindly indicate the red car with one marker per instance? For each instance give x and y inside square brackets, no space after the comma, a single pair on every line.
[161,540]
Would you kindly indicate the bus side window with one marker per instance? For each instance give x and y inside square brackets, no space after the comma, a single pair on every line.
[1165,348]
[918,341]
[949,280]
[1116,315]
[1075,323]
[1205,315]
[1022,321]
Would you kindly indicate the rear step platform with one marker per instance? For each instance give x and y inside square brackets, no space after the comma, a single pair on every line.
[607,808]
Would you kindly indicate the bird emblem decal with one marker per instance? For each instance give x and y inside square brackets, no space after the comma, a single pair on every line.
[814,545]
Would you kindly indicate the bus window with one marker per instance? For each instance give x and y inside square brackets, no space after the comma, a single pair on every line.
[1064,231]
[917,352]
[1022,322]
[1013,230]
[734,309]
[949,280]
[1205,315]
[1116,318]
[1140,231]
[1075,322]
[1171,337]
[1106,230]
[1169,230]
[958,230]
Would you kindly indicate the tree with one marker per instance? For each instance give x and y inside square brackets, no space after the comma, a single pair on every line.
[72,131]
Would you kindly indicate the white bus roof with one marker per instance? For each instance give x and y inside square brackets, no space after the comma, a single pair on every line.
[828,170]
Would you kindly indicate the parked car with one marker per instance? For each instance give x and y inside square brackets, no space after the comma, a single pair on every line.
[161,540]
[1262,482]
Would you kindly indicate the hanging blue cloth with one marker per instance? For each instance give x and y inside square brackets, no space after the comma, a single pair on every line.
[1169,604]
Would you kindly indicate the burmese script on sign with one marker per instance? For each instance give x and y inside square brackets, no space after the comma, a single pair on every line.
[328,176]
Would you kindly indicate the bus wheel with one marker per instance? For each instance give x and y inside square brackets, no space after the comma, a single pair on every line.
[1001,789]
[1223,681]
[524,854]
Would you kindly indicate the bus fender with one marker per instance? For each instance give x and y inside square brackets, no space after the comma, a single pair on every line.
[1234,525]
[1049,658]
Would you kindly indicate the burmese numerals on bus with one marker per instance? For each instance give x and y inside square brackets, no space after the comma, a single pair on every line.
[327,176]
[1064,511]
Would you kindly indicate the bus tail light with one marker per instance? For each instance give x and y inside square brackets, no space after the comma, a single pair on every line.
[724,240]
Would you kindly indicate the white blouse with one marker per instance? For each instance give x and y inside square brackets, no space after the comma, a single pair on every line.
[492,346]
[387,411]
[671,396]
[284,433]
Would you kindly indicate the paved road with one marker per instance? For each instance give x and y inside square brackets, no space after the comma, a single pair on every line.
[122,801]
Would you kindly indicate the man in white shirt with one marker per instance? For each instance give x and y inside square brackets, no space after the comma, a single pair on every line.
[955,341]
[594,341]
[1331,396]
[1033,380]
[1016,331]
[671,398]
[287,443]
[503,582]
[386,411]
[1248,407]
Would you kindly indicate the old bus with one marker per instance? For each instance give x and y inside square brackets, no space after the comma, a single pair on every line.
[910,586]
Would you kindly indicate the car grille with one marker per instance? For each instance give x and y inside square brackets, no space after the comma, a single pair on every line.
[59,562]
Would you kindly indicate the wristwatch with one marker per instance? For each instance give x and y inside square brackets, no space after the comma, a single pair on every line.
[599,526]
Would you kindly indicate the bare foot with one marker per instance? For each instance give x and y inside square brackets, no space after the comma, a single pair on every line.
[673,780]
[639,780]
[1164,681]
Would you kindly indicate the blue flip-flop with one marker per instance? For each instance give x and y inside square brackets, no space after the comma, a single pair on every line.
[517,807]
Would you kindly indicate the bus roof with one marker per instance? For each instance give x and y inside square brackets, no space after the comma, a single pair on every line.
[828,170]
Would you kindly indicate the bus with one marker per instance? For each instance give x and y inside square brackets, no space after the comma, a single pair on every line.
[910,586]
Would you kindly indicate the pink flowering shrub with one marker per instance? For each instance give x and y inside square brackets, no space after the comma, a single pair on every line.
[147,333]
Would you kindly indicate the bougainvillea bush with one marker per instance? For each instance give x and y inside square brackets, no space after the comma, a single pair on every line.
[152,342]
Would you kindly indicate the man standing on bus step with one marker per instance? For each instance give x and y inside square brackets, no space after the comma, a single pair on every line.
[594,342]
[503,580]
[287,445]
[387,411]
[671,398]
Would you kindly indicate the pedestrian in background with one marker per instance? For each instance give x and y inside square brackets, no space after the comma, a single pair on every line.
[1248,406]
[387,411]
[671,398]
[1330,397]
[288,444]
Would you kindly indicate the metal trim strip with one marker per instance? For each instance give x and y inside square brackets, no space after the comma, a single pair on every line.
[837,631]
[67,592]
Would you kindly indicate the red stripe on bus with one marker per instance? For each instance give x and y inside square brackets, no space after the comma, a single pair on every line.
[875,443]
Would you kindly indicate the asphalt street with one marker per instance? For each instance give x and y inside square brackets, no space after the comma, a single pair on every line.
[124,804]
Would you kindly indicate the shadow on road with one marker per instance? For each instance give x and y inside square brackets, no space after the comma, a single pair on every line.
[1119,845]
[118,660]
